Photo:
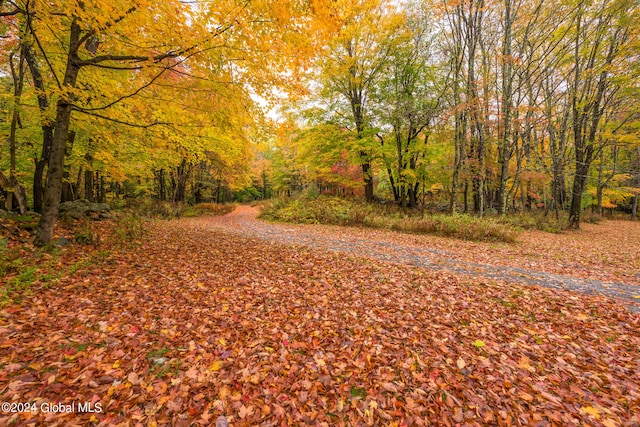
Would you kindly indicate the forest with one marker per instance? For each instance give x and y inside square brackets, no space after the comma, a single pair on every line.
[319,212]
[477,106]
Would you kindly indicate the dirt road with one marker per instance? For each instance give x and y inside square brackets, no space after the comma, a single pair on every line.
[447,255]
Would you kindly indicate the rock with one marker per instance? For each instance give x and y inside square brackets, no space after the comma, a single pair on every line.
[75,213]
[76,209]
[99,207]
[62,241]
[82,208]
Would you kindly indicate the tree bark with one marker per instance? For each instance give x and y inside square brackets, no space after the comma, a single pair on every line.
[183,172]
[476,149]
[368,178]
[64,107]
[47,130]
[358,116]
[460,117]
[14,191]
[575,210]
[586,118]
[88,186]
[504,142]
[89,192]
[18,84]
[69,190]
[102,189]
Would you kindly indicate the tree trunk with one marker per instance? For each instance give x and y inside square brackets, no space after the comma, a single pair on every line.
[579,182]
[504,143]
[460,115]
[466,197]
[162,185]
[18,84]
[102,190]
[69,192]
[634,209]
[412,192]
[88,186]
[14,191]
[368,180]
[476,151]
[41,164]
[392,181]
[586,118]
[47,130]
[182,176]
[53,189]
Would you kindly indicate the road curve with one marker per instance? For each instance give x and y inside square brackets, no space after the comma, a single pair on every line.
[243,221]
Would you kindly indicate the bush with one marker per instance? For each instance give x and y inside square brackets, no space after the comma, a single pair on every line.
[213,208]
[87,235]
[535,221]
[154,208]
[130,227]
[465,227]
[591,218]
[338,211]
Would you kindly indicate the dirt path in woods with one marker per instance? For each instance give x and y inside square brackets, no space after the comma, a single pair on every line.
[520,263]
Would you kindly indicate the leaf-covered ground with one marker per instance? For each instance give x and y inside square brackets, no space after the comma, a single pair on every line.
[202,321]
[586,261]
[608,251]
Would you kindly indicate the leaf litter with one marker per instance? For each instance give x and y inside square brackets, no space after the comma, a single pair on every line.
[199,326]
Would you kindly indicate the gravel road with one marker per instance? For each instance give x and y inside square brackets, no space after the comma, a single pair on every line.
[243,221]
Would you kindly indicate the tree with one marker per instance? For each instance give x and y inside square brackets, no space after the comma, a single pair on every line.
[355,59]
[85,25]
[406,102]
[89,62]
[465,22]
[600,36]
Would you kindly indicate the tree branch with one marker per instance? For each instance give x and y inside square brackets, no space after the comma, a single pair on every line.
[122,98]
[123,68]
[157,58]
[119,58]
[44,54]
[12,13]
[122,122]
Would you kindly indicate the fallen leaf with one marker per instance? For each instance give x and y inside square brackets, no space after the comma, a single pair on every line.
[591,411]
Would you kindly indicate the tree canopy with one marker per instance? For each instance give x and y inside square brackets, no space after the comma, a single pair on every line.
[526,104]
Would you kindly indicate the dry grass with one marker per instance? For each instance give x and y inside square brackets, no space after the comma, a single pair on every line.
[337,211]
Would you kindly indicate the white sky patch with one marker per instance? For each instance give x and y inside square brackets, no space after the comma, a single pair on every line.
[272,108]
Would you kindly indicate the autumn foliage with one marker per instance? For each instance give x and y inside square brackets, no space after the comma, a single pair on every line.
[386,128]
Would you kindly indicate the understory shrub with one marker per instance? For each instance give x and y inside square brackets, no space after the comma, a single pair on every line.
[338,211]
[153,208]
[130,227]
[212,209]
[535,221]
